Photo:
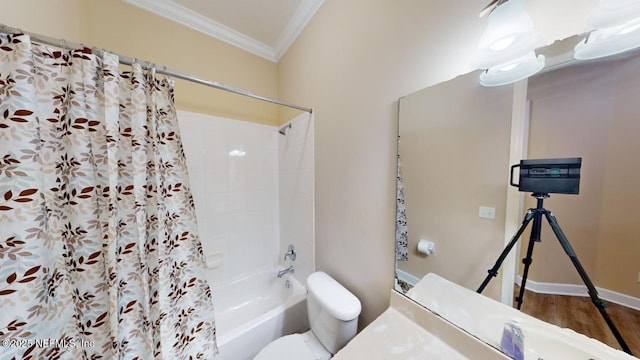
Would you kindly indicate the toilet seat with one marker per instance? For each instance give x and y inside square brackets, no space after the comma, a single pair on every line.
[291,347]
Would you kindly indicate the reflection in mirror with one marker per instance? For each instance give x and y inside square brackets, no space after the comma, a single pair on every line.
[454,150]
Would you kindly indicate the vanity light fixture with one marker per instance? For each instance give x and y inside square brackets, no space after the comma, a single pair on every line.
[616,29]
[514,71]
[506,48]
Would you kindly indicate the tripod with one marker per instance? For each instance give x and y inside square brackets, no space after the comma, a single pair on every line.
[535,214]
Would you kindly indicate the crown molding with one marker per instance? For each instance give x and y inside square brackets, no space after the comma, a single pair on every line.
[184,16]
[295,26]
[195,21]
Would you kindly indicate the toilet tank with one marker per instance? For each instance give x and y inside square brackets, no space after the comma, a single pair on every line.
[333,311]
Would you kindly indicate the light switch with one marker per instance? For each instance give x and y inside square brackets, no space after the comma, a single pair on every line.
[487,212]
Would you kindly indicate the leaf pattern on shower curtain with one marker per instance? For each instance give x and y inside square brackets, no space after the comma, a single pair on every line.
[99,250]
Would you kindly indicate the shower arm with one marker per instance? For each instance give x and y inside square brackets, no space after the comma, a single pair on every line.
[283,130]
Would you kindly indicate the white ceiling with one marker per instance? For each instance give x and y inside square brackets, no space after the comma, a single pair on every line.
[263,27]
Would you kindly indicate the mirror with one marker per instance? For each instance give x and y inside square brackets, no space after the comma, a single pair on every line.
[457,141]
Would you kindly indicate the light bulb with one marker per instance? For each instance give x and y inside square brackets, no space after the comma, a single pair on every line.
[509,35]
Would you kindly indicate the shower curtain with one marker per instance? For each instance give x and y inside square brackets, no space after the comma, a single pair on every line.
[402,238]
[99,252]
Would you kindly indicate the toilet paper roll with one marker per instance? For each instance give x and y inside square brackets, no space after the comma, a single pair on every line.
[425,247]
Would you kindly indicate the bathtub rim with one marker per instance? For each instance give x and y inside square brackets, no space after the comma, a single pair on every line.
[299,294]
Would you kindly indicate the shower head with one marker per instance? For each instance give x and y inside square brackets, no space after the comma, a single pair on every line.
[283,130]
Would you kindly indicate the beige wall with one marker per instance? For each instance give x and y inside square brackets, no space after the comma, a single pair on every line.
[351,64]
[55,18]
[130,31]
[590,111]
[454,148]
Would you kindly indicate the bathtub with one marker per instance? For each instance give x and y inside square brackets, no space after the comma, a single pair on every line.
[253,311]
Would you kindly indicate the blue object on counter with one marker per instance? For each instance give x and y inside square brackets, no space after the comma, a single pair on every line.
[512,342]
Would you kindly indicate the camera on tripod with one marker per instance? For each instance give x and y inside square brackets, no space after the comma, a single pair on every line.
[541,177]
[545,176]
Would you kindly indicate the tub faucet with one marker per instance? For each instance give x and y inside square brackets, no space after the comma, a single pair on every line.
[290,269]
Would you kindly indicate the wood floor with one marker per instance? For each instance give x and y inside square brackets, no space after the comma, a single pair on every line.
[579,314]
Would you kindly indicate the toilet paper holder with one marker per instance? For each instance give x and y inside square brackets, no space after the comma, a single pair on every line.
[426,247]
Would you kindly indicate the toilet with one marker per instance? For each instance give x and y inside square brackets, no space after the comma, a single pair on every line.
[333,317]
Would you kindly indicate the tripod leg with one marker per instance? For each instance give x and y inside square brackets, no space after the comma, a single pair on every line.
[593,293]
[493,272]
[535,237]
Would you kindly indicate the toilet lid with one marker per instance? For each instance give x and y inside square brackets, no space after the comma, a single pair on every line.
[290,347]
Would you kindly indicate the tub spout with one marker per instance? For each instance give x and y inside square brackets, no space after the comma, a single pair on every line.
[290,269]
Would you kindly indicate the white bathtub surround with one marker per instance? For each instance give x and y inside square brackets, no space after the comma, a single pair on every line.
[253,190]
[214,260]
[234,170]
[296,196]
[251,312]
[233,167]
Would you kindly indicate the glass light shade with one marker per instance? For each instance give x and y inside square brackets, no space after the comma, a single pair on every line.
[612,13]
[509,35]
[513,71]
[617,29]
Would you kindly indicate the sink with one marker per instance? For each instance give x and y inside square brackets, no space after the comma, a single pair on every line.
[544,345]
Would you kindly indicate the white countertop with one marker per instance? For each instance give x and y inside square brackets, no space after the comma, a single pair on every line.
[393,336]
[407,331]
[415,328]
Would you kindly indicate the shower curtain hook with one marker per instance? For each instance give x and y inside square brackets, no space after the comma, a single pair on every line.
[167,76]
[9,30]
[98,52]
[165,71]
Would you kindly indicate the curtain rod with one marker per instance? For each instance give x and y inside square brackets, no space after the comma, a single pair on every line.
[61,43]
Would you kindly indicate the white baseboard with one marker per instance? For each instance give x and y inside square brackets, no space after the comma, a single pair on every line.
[580,290]
[406,277]
[555,289]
